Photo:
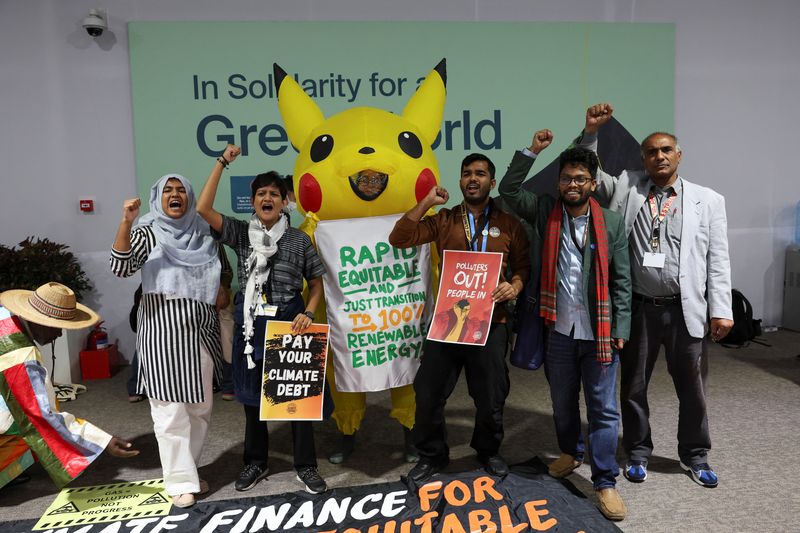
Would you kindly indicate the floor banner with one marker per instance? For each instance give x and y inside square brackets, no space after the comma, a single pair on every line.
[525,500]
[106,503]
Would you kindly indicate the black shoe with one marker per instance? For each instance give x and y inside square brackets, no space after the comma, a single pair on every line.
[251,475]
[495,465]
[348,445]
[409,450]
[311,479]
[425,468]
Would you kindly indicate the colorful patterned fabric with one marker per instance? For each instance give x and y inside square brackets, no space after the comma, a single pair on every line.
[15,457]
[65,445]
[547,297]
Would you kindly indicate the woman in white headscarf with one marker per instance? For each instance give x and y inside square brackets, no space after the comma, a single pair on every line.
[178,335]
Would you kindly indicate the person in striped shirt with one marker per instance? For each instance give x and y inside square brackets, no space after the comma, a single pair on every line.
[178,335]
[273,260]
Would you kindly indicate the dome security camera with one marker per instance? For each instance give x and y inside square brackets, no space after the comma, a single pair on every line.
[95,24]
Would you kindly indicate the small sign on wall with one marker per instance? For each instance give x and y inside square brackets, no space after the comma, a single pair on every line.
[240,194]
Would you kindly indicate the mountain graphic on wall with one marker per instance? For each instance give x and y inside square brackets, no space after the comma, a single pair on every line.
[617,150]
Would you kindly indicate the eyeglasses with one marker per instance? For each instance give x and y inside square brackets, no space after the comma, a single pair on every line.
[580,182]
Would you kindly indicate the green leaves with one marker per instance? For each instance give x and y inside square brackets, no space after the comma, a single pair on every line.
[38,261]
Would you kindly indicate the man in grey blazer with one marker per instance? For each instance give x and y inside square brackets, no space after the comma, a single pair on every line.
[677,232]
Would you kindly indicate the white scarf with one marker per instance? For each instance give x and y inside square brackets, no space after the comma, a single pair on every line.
[264,243]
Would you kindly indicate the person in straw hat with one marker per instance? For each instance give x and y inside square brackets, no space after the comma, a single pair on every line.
[29,415]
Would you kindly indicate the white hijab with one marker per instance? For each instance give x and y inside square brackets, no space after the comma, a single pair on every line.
[184,263]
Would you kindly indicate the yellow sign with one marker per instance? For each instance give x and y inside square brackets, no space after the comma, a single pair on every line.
[106,503]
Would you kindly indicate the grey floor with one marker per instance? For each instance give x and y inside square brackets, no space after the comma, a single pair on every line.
[754,398]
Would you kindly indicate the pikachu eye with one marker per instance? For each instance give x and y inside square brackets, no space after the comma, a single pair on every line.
[321,148]
[410,144]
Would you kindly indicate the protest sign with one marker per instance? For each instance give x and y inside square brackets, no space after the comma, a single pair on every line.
[106,503]
[377,302]
[293,372]
[464,306]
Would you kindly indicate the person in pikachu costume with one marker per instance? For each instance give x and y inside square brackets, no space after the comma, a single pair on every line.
[363,162]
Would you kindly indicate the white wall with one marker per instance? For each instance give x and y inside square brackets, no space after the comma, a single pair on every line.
[66,129]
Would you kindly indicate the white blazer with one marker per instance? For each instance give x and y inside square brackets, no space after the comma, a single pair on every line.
[705,269]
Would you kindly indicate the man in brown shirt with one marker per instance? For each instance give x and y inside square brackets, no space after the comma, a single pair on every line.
[485,366]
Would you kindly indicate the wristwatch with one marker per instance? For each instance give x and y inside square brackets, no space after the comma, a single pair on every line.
[309,314]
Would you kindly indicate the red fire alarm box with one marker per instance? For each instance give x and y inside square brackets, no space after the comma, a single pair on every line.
[99,364]
[87,206]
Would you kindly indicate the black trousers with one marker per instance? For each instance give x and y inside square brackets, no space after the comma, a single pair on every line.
[487,382]
[256,441]
[654,326]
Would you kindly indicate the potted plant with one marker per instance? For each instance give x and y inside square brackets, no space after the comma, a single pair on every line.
[38,261]
[32,264]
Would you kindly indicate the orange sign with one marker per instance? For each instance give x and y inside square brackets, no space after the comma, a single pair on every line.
[293,372]
[464,306]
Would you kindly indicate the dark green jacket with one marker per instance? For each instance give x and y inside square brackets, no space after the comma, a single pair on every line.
[536,210]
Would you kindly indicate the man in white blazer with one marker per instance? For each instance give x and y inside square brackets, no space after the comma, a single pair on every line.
[677,232]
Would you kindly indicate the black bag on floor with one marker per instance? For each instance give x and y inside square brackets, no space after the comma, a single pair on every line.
[744,329]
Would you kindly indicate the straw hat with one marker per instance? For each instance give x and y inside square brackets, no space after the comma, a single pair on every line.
[53,305]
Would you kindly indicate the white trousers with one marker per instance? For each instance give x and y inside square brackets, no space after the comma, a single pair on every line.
[180,430]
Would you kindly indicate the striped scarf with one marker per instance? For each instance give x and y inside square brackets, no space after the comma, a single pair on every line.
[65,445]
[552,239]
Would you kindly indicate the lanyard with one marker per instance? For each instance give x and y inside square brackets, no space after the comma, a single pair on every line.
[580,247]
[469,228]
[658,217]
[654,212]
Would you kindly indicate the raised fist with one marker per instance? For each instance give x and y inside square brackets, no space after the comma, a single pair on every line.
[596,116]
[130,209]
[231,153]
[437,196]
[541,140]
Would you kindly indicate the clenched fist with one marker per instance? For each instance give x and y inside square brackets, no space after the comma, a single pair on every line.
[541,140]
[231,153]
[437,196]
[130,209]
[596,116]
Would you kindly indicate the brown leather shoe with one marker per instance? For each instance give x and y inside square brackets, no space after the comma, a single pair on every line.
[563,466]
[610,504]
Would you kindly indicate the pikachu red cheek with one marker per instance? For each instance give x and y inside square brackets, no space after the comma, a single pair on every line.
[310,193]
[425,181]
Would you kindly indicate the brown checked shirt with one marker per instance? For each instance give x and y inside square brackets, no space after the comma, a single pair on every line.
[446,229]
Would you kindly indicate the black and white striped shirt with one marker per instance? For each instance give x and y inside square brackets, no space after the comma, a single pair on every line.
[295,259]
[170,333]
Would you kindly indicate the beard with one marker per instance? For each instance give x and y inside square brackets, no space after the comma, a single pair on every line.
[476,200]
[584,197]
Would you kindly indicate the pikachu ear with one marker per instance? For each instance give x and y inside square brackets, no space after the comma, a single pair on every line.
[300,113]
[426,107]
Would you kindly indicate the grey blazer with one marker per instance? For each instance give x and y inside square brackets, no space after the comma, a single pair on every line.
[705,269]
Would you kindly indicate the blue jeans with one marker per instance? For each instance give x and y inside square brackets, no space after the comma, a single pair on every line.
[569,364]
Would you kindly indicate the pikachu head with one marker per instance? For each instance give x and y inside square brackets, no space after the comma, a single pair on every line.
[364,161]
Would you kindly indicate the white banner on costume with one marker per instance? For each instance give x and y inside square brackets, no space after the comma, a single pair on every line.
[377,302]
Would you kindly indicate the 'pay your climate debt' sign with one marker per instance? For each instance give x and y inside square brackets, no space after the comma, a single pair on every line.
[293,372]
[464,306]
[376,297]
